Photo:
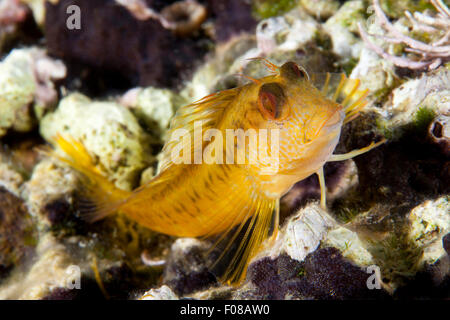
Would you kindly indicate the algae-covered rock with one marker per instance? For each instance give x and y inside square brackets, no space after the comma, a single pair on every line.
[397,8]
[17,233]
[311,228]
[375,74]
[26,82]
[112,247]
[162,293]
[322,9]
[430,222]
[267,32]
[269,8]
[289,32]
[50,183]
[51,270]
[205,79]
[416,102]
[109,132]
[140,51]
[294,36]
[399,252]
[154,107]
[342,27]
[10,179]
[17,88]
[350,246]
[401,248]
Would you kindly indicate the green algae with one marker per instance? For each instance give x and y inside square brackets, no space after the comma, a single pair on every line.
[264,9]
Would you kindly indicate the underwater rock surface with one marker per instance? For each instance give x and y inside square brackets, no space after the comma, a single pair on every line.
[143,51]
[111,38]
[17,234]
[27,88]
[106,129]
[119,83]
[186,269]
[324,274]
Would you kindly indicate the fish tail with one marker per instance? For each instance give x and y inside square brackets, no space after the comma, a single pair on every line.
[103,197]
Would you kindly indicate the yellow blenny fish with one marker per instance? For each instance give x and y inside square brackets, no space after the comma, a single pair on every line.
[225,199]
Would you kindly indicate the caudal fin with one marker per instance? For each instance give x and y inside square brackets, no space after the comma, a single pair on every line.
[103,196]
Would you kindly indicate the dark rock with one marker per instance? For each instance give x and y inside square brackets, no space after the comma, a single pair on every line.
[272,275]
[190,282]
[399,174]
[263,273]
[232,17]
[64,217]
[17,26]
[62,294]
[21,150]
[324,274]
[57,211]
[89,290]
[17,236]
[329,276]
[118,281]
[433,282]
[121,280]
[111,41]
[186,270]
[158,5]
[446,243]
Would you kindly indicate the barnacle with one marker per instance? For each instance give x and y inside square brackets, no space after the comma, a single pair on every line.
[430,56]
[439,133]
[182,17]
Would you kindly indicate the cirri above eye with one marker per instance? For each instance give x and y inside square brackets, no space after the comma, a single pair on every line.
[271,101]
[292,71]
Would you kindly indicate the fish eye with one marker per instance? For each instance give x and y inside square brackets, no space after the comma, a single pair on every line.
[271,101]
[293,71]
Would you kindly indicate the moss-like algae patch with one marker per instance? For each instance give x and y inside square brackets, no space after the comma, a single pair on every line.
[263,9]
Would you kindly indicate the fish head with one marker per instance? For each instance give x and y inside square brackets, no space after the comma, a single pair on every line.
[302,127]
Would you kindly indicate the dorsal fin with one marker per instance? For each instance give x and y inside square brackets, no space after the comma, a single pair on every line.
[209,110]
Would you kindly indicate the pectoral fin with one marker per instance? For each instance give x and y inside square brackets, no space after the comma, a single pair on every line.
[342,157]
[323,188]
[241,243]
[354,153]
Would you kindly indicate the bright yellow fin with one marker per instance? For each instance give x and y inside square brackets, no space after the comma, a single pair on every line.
[355,153]
[258,220]
[104,196]
[323,188]
[209,110]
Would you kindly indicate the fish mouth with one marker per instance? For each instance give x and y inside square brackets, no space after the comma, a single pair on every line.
[334,120]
